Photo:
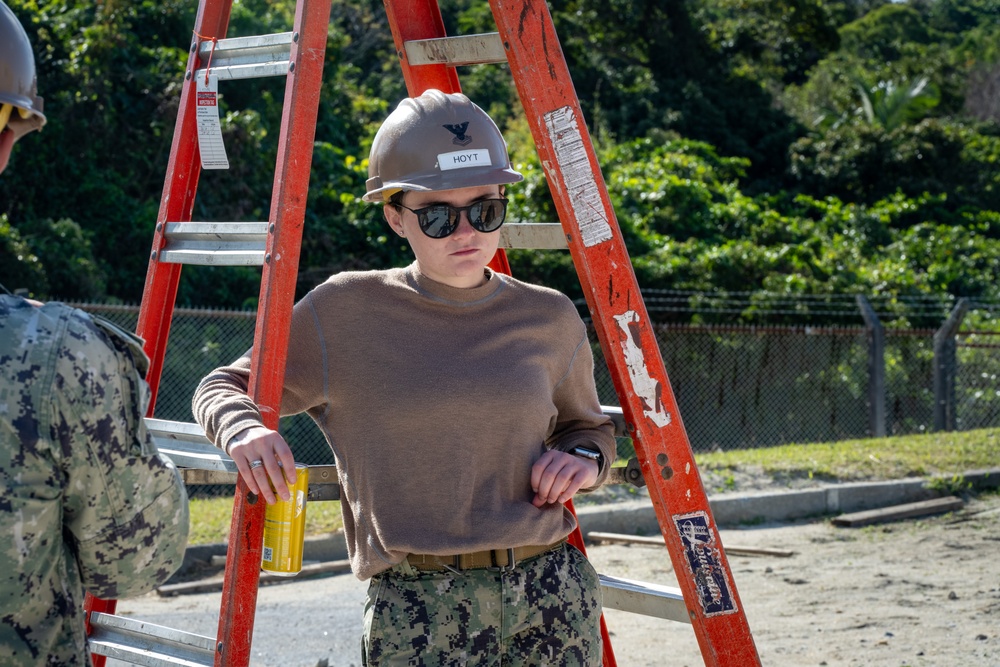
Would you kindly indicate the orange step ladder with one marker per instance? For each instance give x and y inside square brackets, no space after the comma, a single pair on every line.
[274,245]
[527,41]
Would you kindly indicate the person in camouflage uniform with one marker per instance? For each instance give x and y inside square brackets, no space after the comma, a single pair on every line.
[86,500]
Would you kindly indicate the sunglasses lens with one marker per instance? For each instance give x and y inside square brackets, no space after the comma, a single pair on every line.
[436,221]
[488,215]
[441,220]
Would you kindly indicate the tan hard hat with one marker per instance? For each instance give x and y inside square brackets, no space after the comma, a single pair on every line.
[437,141]
[18,86]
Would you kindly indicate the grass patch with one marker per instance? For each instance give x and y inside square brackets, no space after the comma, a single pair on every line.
[211,517]
[877,458]
[847,460]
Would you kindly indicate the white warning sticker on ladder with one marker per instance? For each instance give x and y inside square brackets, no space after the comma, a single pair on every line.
[213,151]
[584,195]
[645,387]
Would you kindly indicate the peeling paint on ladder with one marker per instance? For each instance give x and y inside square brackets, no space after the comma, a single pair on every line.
[581,186]
[644,386]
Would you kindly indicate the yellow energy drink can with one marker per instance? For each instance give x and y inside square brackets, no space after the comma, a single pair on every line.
[285,529]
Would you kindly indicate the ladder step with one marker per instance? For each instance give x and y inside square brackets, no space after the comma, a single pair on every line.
[147,644]
[642,598]
[456,51]
[244,243]
[533,235]
[247,57]
[215,243]
[187,446]
[201,462]
[617,417]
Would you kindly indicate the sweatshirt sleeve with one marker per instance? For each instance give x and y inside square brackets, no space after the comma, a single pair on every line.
[581,422]
[221,404]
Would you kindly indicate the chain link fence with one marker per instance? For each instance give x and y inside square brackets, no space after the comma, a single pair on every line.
[736,387]
[977,390]
[740,387]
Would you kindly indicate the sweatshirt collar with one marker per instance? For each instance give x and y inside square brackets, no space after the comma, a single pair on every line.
[457,295]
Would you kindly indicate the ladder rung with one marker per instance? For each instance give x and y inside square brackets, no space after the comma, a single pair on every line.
[147,644]
[247,57]
[618,417]
[215,243]
[323,484]
[642,598]
[533,235]
[457,51]
[187,446]
[243,243]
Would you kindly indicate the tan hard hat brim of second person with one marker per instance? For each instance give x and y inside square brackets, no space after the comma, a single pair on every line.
[17,69]
[437,141]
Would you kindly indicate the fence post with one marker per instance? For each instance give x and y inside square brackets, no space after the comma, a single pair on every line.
[945,364]
[876,368]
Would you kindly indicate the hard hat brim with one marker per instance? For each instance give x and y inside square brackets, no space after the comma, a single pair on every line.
[470,178]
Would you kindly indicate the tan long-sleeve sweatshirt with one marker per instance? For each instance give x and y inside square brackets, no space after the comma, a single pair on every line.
[436,401]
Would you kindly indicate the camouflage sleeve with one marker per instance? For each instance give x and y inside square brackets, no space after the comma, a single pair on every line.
[126,508]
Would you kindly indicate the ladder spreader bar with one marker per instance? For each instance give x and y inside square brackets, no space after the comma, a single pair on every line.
[456,51]
[148,644]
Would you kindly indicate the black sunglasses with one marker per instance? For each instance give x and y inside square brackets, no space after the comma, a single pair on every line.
[441,220]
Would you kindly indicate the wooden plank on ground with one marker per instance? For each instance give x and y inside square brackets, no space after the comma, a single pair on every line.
[907,511]
[596,537]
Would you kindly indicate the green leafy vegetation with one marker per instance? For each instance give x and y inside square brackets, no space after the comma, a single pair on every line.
[789,147]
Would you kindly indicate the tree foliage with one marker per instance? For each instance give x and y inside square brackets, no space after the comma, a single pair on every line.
[786,146]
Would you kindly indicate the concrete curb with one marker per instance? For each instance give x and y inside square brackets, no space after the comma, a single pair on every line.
[729,510]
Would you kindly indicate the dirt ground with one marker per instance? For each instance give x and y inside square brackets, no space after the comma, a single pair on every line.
[915,592]
[910,593]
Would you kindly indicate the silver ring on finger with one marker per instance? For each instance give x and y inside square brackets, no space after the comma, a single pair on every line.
[256,464]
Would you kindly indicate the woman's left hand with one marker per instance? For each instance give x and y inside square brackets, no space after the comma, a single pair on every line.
[557,476]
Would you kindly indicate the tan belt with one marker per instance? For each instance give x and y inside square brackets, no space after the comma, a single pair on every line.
[492,559]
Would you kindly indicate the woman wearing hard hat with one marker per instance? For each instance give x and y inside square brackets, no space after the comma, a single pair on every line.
[461,409]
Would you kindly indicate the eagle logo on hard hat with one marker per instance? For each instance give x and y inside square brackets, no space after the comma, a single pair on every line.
[461,138]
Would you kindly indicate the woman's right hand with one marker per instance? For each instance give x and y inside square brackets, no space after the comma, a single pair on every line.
[259,443]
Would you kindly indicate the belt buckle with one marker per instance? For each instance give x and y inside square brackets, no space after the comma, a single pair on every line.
[502,568]
[455,567]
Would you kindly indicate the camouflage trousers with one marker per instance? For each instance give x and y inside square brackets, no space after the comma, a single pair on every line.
[544,611]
